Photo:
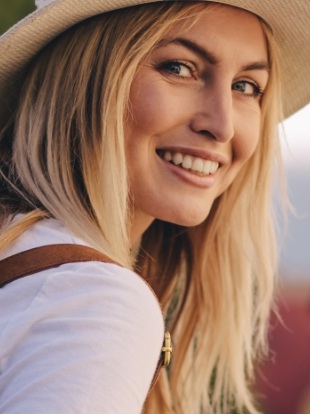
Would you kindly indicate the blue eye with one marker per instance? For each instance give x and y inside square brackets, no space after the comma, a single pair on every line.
[177,68]
[247,88]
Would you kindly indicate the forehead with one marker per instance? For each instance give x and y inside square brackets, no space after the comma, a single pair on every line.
[217,25]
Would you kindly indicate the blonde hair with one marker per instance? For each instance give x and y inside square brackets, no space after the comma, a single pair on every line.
[66,160]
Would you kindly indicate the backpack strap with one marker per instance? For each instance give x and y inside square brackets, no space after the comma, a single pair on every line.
[46,257]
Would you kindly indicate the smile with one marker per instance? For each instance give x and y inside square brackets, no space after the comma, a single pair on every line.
[195,165]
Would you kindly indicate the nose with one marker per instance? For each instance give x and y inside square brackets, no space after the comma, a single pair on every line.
[214,114]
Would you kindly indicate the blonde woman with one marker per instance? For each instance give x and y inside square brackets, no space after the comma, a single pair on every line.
[147,134]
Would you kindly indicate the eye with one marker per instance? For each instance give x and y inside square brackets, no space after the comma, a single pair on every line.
[248,88]
[177,68]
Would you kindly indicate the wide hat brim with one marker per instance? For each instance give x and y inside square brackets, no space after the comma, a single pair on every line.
[288,19]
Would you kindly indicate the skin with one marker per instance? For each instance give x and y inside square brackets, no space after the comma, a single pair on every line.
[198,93]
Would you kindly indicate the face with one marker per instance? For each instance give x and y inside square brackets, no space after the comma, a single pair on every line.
[194,116]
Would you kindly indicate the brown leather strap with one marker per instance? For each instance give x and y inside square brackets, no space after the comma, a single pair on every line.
[46,257]
[164,360]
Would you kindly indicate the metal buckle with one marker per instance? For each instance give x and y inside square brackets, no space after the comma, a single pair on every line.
[167,349]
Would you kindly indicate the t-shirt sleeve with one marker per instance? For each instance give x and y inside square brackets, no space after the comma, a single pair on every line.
[88,342]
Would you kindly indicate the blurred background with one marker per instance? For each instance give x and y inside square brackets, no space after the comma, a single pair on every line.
[283,384]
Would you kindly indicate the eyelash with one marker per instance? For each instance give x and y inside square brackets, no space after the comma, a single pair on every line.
[164,67]
[258,91]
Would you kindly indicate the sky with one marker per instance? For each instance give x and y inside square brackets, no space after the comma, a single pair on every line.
[295,257]
[297,133]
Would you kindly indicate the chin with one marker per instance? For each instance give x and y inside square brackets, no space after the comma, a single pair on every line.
[190,219]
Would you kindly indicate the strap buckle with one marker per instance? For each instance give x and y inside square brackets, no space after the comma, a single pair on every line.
[167,349]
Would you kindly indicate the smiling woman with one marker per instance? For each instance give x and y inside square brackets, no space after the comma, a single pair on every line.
[143,137]
[206,88]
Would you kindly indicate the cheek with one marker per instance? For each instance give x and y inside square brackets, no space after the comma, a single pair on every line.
[248,146]
[155,105]
[145,104]
[247,137]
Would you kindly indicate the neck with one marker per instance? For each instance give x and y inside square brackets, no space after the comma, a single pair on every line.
[140,223]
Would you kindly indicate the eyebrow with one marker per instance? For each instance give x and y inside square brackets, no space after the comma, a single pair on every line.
[256,66]
[209,56]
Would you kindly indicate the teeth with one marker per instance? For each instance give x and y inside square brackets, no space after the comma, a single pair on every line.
[207,168]
[177,158]
[195,164]
[167,156]
[214,167]
[187,162]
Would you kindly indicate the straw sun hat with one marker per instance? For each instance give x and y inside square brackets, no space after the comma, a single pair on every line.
[288,19]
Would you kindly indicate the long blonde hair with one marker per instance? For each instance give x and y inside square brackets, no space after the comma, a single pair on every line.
[62,156]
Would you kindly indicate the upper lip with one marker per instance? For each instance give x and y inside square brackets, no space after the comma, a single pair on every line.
[198,152]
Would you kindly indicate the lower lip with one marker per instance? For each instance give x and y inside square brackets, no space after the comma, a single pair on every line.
[190,178]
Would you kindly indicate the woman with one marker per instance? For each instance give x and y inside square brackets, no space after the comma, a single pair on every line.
[148,134]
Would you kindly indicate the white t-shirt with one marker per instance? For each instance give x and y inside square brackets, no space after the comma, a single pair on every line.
[82,338]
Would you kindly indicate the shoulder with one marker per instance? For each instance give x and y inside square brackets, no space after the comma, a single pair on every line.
[91,334]
[82,328]
[92,282]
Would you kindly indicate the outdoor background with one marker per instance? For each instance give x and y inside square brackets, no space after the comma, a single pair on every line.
[284,381]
